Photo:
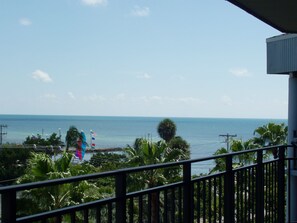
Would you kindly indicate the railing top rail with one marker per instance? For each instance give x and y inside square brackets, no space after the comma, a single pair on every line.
[126,171]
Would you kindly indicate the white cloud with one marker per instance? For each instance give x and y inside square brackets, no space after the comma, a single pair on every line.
[50,96]
[94,97]
[42,76]
[240,72]
[94,2]
[25,22]
[226,100]
[187,100]
[71,95]
[144,76]
[190,100]
[120,96]
[140,11]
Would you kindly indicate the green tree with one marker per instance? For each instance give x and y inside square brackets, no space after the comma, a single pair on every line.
[38,140]
[166,129]
[235,146]
[41,167]
[108,161]
[71,137]
[13,162]
[35,140]
[146,152]
[271,134]
[178,142]
[220,163]
[54,140]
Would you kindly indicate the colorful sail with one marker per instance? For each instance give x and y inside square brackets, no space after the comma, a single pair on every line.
[84,144]
[81,146]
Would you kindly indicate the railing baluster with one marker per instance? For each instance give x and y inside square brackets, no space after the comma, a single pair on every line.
[289,191]
[220,199]
[281,185]
[259,188]
[236,192]
[8,207]
[149,215]
[98,214]
[173,206]
[245,176]
[204,200]
[209,200]
[109,212]
[140,212]
[266,186]
[58,219]
[215,199]
[157,206]
[131,212]
[241,195]
[72,217]
[198,200]
[249,197]
[229,191]
[179,204]
[166,206]
[121,196]
[187,198]
[86,215]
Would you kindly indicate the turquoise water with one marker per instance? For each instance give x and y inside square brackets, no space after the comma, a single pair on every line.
[201,133]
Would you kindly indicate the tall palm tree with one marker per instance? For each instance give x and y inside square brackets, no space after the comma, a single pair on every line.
[167,129]
[71,137]
[271,134]
[145,152]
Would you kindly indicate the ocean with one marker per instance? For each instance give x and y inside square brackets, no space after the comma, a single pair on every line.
[203,134]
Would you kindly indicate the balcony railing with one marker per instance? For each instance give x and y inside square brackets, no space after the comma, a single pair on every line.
[253,192]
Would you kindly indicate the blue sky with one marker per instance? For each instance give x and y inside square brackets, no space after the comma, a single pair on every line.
[166,58]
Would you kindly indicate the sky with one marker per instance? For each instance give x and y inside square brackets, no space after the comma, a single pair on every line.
[152,58]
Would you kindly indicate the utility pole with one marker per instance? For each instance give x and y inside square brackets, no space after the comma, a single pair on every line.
[228,137]
[2,133]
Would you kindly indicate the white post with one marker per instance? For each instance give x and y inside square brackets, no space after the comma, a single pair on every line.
[292,133]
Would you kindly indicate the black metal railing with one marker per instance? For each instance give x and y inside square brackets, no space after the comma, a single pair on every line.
[240,192]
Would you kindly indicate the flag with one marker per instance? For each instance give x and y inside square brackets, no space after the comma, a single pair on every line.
[93,134]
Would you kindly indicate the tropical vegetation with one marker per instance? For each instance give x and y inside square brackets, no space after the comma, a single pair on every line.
[271,134]
[52,140]
[13,162]
[167,129]
[42,167]
[171,148]
[71,137]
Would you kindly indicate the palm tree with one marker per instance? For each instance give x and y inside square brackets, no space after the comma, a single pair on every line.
[145,152]
[271,134]
[236,146]
[71,137]
[178,142]
[220,162]
[42,167]
[167,129]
